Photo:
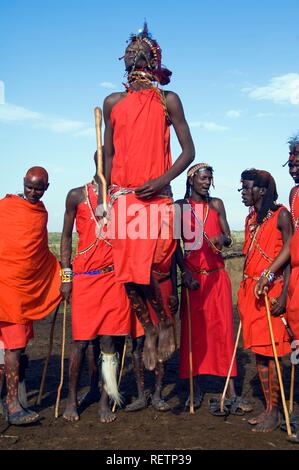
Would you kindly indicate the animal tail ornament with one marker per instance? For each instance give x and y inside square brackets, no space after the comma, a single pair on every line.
[110,363]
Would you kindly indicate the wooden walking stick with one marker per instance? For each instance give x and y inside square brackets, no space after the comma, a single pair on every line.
[230,369]
[98,125]
[62,361]
[121,370]
[285,410]
[191,396]
[43,379]
[291,404]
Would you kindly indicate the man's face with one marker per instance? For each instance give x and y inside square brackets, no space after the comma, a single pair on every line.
[250,194]
[136,54]
[202,182]
[34,189]
[294,164]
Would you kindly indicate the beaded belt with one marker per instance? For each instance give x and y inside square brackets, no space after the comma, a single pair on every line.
[204,271]
[107,269]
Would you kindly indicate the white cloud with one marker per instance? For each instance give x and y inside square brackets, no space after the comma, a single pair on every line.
[284,88]
[233,114]
[10,113]
[2,92]
[208,126]
[107,85]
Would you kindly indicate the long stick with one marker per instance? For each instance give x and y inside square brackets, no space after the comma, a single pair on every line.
[98,125]
[62,361]
[121,370]
[230,369]
[285,410]
[43,379]
[191,397]
[291,404]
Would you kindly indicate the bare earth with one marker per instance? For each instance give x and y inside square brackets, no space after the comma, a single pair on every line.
[147,429]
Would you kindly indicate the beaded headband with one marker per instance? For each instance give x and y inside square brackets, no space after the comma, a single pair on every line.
[198,167]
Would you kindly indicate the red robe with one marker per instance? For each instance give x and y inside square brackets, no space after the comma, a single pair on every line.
[266,247]
[210,305]
[293,293]
[99,303]
[29,274]
[141,139]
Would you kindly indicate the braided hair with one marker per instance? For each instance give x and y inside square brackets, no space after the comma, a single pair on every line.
[263,179]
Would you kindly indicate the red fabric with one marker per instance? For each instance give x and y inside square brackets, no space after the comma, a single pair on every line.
[210,307]
[29,275]
[99,303]
[14,335]
[252,311]
[141,139]
[166,290]
[293,292]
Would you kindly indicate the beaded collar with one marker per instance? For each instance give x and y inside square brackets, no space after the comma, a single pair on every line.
[293,202]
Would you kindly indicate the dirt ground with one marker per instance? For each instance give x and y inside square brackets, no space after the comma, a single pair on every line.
[146,429]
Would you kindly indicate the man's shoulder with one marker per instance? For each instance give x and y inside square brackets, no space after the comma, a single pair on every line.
[216,203]
[113,98]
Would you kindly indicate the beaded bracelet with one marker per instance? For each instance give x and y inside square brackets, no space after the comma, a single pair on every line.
[269,275]
[66,275]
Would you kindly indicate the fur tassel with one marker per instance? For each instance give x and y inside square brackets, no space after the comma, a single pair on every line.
[109,376]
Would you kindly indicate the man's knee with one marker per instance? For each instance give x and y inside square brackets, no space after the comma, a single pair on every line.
[80,346]
[138,344]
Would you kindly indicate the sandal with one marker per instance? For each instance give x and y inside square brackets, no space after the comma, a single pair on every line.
[159,404]
[197,401]
[215,408]
[294,424]
[24,416]
[138,404]
[239,406]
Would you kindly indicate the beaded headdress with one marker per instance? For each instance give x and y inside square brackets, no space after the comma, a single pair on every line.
[293,142]
[154,70]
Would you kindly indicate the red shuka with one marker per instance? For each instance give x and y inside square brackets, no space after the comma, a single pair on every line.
[266,247]
[210,306]
[293,293]
[99,303]
[141,139]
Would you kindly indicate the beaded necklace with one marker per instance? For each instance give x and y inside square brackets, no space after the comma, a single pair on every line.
[98,225]
[295,219]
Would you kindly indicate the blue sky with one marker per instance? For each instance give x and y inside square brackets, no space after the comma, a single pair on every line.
[234,63]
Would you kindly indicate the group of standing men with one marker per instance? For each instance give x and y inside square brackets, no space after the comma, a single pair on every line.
[120,284]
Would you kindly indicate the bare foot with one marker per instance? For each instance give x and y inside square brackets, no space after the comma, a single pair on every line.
[70,412]
[166,343]
[269,423]
[149,349]
[257,419]
[106,415]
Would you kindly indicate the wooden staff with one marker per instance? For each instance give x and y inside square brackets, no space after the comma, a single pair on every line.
[98,126]
[121,371]
[286,414]
[62,361]
[291,404]
[191,396]
[230,369]
[42,384]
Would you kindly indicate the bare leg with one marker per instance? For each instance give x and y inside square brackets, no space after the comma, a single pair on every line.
[22,384]
[2,376]
[93,394]
[16,413]
[139,307]
[271,419]
[137,359]
[105,413]
[76,358]
[157,400]
[263,371]
[166,342]
[198,395]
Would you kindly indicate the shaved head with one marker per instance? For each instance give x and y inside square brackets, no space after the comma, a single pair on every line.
[35,184]
[37,173]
